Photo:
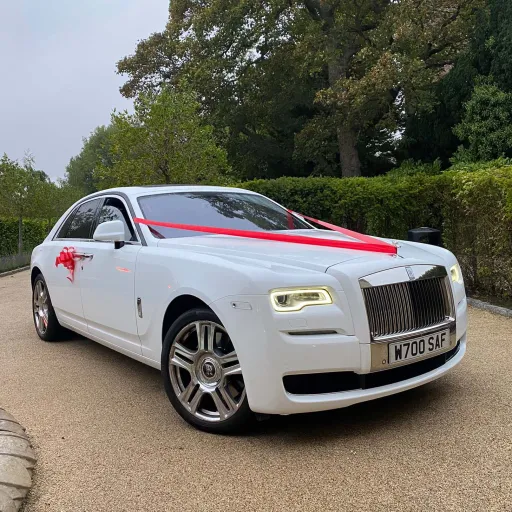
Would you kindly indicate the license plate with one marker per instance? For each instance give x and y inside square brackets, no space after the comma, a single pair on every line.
[419,347]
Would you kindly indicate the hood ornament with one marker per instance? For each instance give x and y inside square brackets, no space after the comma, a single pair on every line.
[396,244]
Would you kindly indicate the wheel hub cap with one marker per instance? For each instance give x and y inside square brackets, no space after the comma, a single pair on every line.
[209,371]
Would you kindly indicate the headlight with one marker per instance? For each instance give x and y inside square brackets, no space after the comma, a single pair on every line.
[456,274]
[296,299]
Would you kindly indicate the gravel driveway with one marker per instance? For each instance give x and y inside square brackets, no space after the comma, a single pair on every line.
[108,440]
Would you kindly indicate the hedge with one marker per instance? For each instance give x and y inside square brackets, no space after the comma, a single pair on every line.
[34,232]
[472,209]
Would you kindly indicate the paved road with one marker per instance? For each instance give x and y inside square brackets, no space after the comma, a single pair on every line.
[107,439]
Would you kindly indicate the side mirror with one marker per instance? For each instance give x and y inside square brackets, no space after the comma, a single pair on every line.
[112,231]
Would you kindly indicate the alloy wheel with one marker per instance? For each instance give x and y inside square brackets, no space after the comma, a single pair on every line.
[205,371]
[40,307]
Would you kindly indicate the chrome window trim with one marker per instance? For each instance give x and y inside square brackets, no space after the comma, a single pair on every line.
[72,240]
[115,196]
[90,240]
[73,212]
[101,197]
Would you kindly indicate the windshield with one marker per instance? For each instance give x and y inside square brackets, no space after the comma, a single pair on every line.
[233,210]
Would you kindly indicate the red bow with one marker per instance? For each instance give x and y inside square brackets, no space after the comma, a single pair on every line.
[67,258]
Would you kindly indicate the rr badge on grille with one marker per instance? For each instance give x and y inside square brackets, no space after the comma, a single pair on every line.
[410,273]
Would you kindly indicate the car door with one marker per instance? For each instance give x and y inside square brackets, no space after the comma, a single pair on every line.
[107,283]
[64,285]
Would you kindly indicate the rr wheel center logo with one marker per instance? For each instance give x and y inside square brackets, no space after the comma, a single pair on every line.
[209,370]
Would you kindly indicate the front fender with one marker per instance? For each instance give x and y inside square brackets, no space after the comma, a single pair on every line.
[163,274]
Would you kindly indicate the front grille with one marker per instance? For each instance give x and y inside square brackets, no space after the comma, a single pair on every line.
[408,306]
[335,382]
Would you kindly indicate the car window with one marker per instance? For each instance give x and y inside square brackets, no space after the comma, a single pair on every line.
[65,225]
[80,224]
[114,209]
[233,210]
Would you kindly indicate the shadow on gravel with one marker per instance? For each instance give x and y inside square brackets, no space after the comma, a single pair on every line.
[388,413]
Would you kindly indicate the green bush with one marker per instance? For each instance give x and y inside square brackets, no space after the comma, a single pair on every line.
[477,222]
[472,209]
[34,232]
[382,206]
[411,168]
[486,126]
[492,165]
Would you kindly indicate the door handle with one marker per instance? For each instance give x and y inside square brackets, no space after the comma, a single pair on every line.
[84,256]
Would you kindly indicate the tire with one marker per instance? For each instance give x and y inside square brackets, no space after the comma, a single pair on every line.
[202,375]
[45,321]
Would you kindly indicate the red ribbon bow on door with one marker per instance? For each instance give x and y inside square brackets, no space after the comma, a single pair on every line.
[68,258]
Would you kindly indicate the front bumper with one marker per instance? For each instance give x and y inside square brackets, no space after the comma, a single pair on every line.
[270,348]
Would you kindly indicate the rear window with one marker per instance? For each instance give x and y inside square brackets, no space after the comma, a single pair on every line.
[216,209]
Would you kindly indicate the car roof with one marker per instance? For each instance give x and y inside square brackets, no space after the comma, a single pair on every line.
[147,190]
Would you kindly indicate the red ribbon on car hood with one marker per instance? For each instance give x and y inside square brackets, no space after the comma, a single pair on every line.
[365,243]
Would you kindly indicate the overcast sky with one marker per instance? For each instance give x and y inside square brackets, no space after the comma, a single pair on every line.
[57,71]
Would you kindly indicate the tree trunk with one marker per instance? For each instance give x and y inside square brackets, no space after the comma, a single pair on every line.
[347,137]
[349,156]
[20,235]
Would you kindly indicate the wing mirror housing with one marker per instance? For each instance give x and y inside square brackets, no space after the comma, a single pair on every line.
[111,231]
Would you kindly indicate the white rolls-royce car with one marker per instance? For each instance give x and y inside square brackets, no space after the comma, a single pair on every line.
[241,326]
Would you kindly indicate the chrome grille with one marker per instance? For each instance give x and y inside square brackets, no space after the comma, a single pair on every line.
[402,307]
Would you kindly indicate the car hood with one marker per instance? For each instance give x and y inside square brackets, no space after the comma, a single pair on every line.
[268,253]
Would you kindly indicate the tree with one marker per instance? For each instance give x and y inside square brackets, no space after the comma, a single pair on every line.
[256,114]
[164,141]
[18,185]
[499,43]
[486,125]
[372,61]
[95,152]
[50,200]
[27,192]
[429,136]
